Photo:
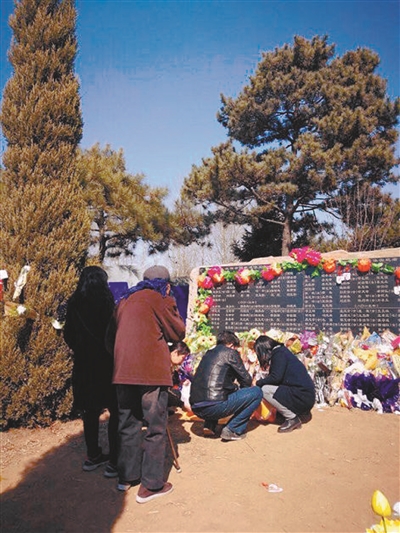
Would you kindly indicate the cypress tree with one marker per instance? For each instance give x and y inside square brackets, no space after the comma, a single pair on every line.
[43,219]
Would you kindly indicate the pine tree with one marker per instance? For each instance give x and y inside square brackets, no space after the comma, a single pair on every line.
[313,128]
[123,208]
[43,218]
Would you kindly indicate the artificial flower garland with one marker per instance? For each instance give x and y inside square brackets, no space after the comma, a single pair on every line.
[302,259]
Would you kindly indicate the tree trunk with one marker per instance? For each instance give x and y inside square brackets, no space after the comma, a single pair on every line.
[102,247]
[286,237]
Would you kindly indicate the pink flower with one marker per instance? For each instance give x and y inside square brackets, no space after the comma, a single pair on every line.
[207,283]
[299,253]
[313,258]
[216,274]
[243,276]
[209,301]
[271,272]
[214,270]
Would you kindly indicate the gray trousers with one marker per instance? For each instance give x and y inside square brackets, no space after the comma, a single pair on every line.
[268,393]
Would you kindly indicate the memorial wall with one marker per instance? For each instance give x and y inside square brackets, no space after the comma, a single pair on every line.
[299,300]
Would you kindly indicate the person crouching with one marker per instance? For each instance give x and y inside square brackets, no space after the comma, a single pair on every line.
[221,387]
[288,387]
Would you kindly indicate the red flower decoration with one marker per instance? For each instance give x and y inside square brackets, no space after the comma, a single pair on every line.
[312,257]
[203,308]
[205,282]
[364,265]
[271,272]
[276,269]
[329,265]
[299,253]
[216,274]
[268,274]
[209,301]
[243,276]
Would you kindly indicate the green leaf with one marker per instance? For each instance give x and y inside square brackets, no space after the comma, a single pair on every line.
[229,275]
[292,265]
[203,293]
[376,267]
[316,272]
[255,274]
[387,269]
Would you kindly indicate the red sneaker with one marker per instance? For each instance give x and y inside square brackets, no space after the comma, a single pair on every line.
[144,495]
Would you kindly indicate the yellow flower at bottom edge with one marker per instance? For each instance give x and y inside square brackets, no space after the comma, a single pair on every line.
[392,526]
[380,504]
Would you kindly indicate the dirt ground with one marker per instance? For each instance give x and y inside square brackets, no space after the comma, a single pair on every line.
[328,471]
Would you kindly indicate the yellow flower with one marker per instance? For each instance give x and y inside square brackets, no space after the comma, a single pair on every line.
[390,526]
[380,504]
[212,340]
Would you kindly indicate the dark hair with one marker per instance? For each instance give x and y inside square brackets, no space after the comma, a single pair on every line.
[181,347]
[263,348]
[92,285]
[228,337]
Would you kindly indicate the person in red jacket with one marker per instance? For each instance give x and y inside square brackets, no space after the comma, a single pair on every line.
[145,321]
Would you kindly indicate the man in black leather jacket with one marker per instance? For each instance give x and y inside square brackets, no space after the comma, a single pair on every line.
[221,387]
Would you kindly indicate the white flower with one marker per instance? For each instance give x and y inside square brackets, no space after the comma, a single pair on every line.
[251,357]
[21,309]
[254,333]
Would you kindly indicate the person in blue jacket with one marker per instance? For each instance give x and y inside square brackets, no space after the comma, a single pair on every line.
[288,387]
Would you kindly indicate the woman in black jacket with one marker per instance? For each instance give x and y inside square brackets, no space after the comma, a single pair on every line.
[288,386]
[88,313]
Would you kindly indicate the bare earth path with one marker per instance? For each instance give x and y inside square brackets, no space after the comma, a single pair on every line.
[328,471]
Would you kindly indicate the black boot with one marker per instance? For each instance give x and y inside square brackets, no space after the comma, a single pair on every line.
[210,428]
[290,424]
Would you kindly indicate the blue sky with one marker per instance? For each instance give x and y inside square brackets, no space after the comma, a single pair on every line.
[152,72]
